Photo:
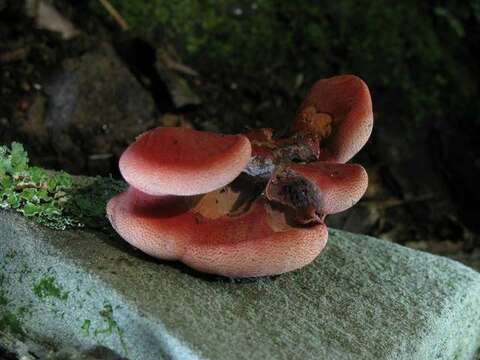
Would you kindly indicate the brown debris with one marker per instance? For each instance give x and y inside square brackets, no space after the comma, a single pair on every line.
[295,192]
[315,123]
[14,55]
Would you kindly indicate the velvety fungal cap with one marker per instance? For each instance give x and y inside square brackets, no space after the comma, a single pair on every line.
[257,242]
[181,161]
[339,110]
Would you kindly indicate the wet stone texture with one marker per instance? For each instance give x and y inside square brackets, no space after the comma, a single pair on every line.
[361,299]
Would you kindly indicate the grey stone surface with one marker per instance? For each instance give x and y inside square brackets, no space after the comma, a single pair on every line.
[90,108]
[361,299]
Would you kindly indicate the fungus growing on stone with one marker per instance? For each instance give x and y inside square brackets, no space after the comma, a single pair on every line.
[317,189]
[246,205]
[337,111]
[256,241]
[182,161]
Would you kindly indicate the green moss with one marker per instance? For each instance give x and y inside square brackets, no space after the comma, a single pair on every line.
[33,191]
[23,310]
[88,199]
[46,287]
[111,326]
[3,299]
[86,327]
[11,254]
[301,42]
[53,199]
[225,30]
[107,315]
[12,323]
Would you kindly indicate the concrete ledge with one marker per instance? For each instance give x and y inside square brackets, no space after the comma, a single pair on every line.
[363,298]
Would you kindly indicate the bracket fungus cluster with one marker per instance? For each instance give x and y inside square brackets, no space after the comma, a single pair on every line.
[246,205]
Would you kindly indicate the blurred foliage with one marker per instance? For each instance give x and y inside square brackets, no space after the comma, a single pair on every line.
[419,54]
[53,199]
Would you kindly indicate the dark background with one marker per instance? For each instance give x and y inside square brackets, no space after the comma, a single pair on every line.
[234,65]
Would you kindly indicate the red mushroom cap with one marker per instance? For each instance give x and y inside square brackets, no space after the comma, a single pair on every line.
[257,242]
[245,229]
[181,161]
[339,111]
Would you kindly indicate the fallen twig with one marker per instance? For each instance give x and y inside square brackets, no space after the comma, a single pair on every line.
[14,55]
[176,65]
[114,14]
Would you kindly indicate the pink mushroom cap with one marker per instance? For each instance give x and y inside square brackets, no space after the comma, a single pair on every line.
[257,242]
[221,223]
[182,161]
[346,100]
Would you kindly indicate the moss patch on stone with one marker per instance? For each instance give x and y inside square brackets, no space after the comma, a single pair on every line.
[33,191]
[111,326]
[88,199]
[47,287]
[86,327]
[11,322]
[54,199]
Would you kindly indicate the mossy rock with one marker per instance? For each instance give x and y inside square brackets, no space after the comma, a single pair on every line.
[267,53]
